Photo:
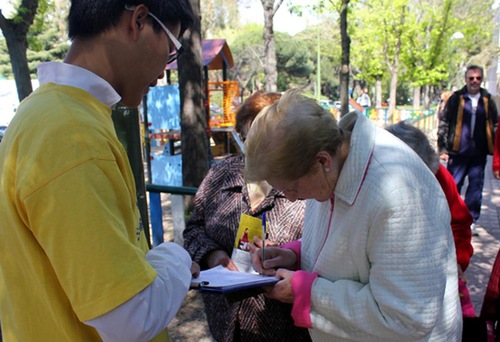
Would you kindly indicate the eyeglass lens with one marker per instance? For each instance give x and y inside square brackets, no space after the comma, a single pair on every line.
[173,56]
[479,78]
[178,47]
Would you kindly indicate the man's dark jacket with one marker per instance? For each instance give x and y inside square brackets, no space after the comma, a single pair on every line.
[451,121]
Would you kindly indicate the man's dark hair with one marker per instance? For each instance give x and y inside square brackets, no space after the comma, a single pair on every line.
[473,67]
[88,18]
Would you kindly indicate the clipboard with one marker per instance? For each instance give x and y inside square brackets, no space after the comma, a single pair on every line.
[235,285]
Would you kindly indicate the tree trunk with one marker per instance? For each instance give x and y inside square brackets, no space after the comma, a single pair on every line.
[395,68]
[194,137]
[15,31]
[345,59]
[378,93]
[17,52]
[427,96]
[345,67]
[416,97]
[392,93]
[270,70]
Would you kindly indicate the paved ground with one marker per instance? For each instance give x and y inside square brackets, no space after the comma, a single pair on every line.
[487,244]
[190,322]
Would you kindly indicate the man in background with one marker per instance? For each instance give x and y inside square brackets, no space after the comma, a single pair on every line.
[364,99]
[466,136]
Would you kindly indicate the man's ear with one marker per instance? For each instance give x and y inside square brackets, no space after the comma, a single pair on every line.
[138,18]
[142,16]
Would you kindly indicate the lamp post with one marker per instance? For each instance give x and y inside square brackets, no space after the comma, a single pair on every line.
[453,74]
[318,67]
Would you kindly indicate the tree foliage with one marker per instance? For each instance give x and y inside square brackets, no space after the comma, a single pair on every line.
[15,31]
[46,37]
[293,60]
[217,16]
[429,60]
[248,54]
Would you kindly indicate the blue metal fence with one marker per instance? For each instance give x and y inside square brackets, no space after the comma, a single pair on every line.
[155,209]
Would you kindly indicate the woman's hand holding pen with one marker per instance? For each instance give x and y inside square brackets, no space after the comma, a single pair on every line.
[275,257]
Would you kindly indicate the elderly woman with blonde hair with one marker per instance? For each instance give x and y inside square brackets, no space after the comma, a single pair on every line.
[376,261]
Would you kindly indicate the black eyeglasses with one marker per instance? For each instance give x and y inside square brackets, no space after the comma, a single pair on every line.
[178,47]
[479,78]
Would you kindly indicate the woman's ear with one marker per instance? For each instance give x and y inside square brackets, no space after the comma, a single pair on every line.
[325,160]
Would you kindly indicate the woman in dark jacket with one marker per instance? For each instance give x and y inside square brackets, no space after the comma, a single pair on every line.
[211,231]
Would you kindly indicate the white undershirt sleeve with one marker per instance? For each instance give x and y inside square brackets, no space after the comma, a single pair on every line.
[150,311]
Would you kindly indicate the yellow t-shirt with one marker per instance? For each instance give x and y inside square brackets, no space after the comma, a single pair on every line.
[71,244]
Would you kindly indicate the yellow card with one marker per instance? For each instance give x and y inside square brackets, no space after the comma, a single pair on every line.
[249,227]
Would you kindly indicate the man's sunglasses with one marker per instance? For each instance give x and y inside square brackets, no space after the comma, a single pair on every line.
[479,78]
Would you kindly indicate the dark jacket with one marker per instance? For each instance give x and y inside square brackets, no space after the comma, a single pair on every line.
[451,124]
[221,199]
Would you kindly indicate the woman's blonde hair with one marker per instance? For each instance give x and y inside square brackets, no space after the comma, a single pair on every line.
[286,137]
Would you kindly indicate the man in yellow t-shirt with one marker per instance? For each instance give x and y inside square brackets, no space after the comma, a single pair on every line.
[74,263]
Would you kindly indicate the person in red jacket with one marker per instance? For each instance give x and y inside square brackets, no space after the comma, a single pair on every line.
[461,218]
[496,156]
[490,309]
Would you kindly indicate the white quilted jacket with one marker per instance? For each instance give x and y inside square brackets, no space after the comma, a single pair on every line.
[387,265]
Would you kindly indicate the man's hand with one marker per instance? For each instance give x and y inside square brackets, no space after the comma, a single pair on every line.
[496,174]
[195,270]
[444,157]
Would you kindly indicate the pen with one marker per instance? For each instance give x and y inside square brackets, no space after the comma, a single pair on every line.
[264,233]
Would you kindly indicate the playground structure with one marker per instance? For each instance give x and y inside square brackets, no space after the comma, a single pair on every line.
[162,133]
[162,116]
[223,97]
[223,100]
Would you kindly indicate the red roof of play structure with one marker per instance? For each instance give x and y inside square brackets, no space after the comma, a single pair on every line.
[215,52]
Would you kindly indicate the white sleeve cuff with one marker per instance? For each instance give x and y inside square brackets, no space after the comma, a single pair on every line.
[150,311]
